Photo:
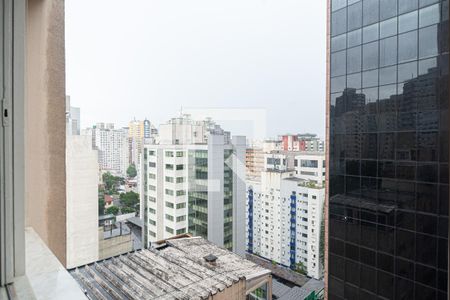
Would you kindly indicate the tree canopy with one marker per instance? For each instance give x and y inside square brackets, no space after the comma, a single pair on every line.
[112,210]
[129,199]
[131,171]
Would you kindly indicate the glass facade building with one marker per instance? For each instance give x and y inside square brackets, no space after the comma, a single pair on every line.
[388,149]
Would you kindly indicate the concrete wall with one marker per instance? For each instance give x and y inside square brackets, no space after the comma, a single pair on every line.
[113,246]
[82,201]
[45,136]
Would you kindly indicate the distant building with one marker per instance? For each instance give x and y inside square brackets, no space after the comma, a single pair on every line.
[254,163]
[194,182]
[302,142]
[181,268]
[285,211]
[112,146]
[72,118]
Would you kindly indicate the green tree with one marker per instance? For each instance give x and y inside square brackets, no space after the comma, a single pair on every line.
[112,182]
[300,268]
[129,199]
[112,210]
[101,201]
[127,210]
[131,171]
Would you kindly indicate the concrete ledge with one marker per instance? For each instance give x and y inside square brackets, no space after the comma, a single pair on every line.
[45,277]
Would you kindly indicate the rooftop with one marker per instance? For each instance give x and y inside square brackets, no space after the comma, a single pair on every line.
[175,270]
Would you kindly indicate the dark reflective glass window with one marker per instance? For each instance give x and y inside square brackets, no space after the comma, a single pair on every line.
[369,233]
[368,257]
[338,63]
[443,200]
[354,60]
[336,288]
[407,46]
[388,75]
[407,71]
[426,223]
[429,15]
[404,288]
[354,16]
[370,56]
[388,9]
[428,41]
[426,249]
[369,146]
[338,42]
[443,254]
[368,279]
[354,38]
[385,262]
[354,81]
[427,172]
[338,4]
[353,167]
[404,268]
[338,84]
[388,28]
[408,22]
[369,168]
[385,284]
[338,22]
[407,5]
[427,195]
[370,33]
[370,11]
[386,146]
[370,78]
[427,143]
[426,275]
[426,64]
[386,169]
[406,171]
[423,3]
[385,239]
[405,220]
[406,195]
[405,244]
[388,51]
[405,146]
[352,272]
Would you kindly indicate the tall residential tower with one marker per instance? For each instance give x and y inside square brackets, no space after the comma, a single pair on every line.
[194,182]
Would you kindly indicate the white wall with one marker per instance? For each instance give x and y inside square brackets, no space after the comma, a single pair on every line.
[82,201]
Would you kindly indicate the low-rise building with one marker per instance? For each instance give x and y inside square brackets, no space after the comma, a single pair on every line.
[180,268]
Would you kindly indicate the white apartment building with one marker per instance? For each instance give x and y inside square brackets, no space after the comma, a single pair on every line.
[112,146]
[193,181]
[285,210]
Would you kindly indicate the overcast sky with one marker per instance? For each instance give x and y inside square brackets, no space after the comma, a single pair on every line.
[249,63]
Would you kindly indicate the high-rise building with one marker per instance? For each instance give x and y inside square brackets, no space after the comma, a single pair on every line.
[112,146]
[72,118]
[194,182]
[388,149]
[285,211]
